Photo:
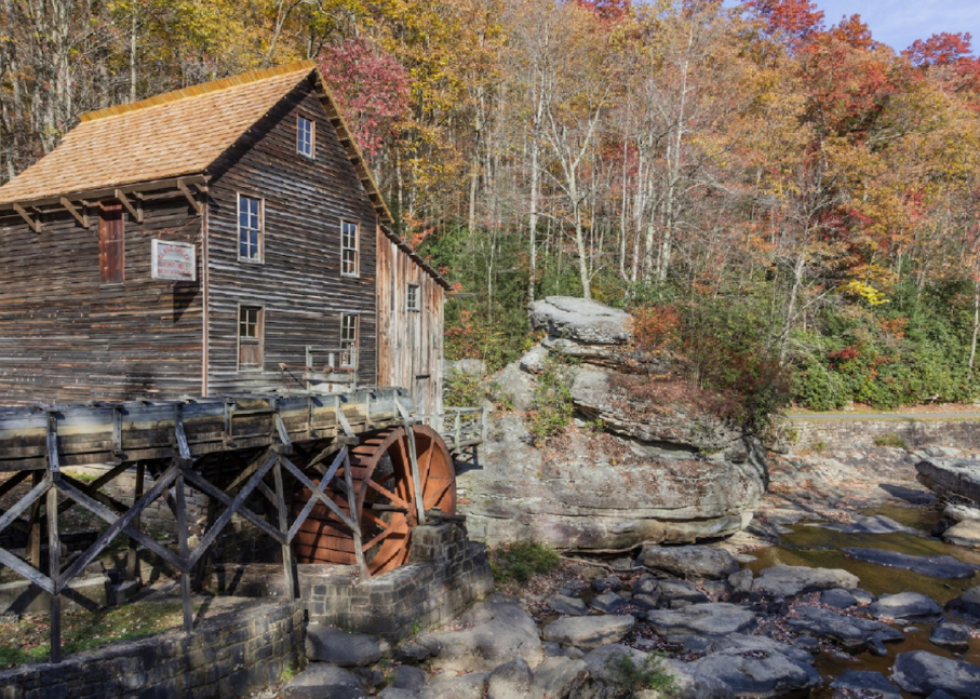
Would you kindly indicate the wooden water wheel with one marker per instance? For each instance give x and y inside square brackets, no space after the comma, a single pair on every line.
[384,491]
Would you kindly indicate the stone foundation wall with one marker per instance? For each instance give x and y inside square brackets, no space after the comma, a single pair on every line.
[232,655]
[860,433]
[446,573]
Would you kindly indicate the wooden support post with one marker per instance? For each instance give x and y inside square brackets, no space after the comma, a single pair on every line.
[185,576]
[414,462]
[34,525]
[458,429]
[352,508]
[54,571]
[287,549]
[133,561]
[309,367]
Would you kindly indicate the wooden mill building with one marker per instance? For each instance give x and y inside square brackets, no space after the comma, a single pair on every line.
[222,239]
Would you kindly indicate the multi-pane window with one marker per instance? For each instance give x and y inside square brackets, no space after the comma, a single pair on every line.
[249,228]
[112,244]
[348,339]
[251,322]
[414,303]
[305,135]
[348,249]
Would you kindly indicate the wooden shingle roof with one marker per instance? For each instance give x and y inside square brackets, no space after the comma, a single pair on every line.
[171,135]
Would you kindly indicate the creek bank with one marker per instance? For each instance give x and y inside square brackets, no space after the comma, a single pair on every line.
[646,458]
[741,641]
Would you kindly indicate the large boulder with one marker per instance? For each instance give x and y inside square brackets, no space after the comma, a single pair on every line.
[711,619]
[663,468]
[582,320]
[754,666]
[853,633]
[957,479]
[602,491]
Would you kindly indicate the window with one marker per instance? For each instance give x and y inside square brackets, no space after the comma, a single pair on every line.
[349,263]
[112,244]
[414,303]
[348,340]
[305,136]
[249,228]
[251,329]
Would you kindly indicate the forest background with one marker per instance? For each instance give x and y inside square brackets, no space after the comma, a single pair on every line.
[789,205]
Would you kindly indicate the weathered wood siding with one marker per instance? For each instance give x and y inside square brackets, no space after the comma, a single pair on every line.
[298,283]
[410,343]
[65,336]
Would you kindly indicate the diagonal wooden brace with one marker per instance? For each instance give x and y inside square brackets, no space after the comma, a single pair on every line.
[317,494]
[212,491]
[233,508]
[118,525]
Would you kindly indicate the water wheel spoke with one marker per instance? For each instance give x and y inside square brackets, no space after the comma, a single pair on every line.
[374,519]
[381,537]
[428,465]
[432,502]
[388,494]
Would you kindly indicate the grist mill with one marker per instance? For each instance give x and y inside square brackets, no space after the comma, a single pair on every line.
[206,316]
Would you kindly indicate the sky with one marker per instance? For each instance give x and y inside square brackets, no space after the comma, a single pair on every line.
[900,22]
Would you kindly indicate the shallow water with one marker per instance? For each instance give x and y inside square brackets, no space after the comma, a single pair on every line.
[818,547]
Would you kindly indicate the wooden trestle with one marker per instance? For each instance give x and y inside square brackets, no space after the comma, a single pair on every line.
[224,448]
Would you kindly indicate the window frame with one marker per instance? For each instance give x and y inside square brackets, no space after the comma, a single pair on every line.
[356,249]
[415,307]
[260,247]
[259,338]
[118,220]
[312,139]
[349,364]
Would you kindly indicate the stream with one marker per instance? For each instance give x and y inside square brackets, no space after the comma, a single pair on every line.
[807,544]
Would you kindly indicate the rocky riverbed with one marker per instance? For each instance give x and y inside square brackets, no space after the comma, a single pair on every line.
[838,589]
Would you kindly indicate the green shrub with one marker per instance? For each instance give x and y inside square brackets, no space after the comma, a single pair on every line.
[630,679]
[463,390]
[891,440]
[553,408]
[520,560]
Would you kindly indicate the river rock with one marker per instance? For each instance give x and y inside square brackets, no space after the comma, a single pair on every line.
[952,636]
[680,593]
[569,606]
[608,602]
[924,673]
[967,603]
[581,320]
[714,618]
[588,631]
[690,561]
[322,681]
[331,645]
[790,581]
[560,677]
[961,513]
[452,686]
[509,681]
[965,533]
[875,524]
[951,478]
[603,663]
[904,605]
[838,598]
[859,683]
[753,666]
[945,567]
[501,632]
[850,632]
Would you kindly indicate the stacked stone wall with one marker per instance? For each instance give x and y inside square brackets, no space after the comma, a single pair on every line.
[806,434]
[232,655]
[446,573]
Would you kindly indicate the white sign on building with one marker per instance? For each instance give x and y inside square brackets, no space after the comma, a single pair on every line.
[174,261]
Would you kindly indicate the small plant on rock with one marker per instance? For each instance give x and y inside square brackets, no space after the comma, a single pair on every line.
[553,408]
[631,678]
[891,440]
[520,560]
